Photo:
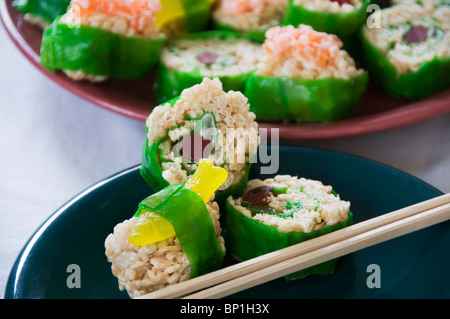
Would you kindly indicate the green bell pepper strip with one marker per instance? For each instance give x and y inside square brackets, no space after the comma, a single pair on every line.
[322,100]
[247,238]
[47,10]
[98,52]
[193,226]
[151,168]
[171,82]
[197,14]
[430,78]
[344,24]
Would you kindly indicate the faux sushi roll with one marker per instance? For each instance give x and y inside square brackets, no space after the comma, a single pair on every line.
[229,56]
[100,39]
[340,17]
[175,235]
[178,17]
[203,123]
[253,17]
[41,12]
[282,211]
[304,76]
[409,54]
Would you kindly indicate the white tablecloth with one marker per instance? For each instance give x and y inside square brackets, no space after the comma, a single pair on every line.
[54,145]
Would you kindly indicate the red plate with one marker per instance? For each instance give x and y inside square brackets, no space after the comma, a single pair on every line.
[134,99]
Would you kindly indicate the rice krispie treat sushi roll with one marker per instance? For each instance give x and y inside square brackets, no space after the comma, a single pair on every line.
[229,56]
[41,12]
[175,235]
[204,122]
[340,17]
[409,54]
[282,211]
[100,39]
[304,76]
[253,17]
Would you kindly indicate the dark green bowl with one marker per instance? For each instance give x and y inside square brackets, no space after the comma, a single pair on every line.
[412,266]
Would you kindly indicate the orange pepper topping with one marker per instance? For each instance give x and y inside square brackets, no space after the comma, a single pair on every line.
[318,47]
[139,13]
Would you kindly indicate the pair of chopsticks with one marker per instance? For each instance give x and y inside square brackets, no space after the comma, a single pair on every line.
[250,273]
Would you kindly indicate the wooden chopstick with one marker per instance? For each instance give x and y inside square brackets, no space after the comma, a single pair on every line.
[335,250]
[262,263]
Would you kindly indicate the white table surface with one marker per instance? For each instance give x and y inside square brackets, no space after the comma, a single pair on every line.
[54,145]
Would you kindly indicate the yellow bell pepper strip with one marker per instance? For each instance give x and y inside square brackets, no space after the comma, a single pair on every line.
[180,210]
[150,228]
[178,17]
[215,177]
